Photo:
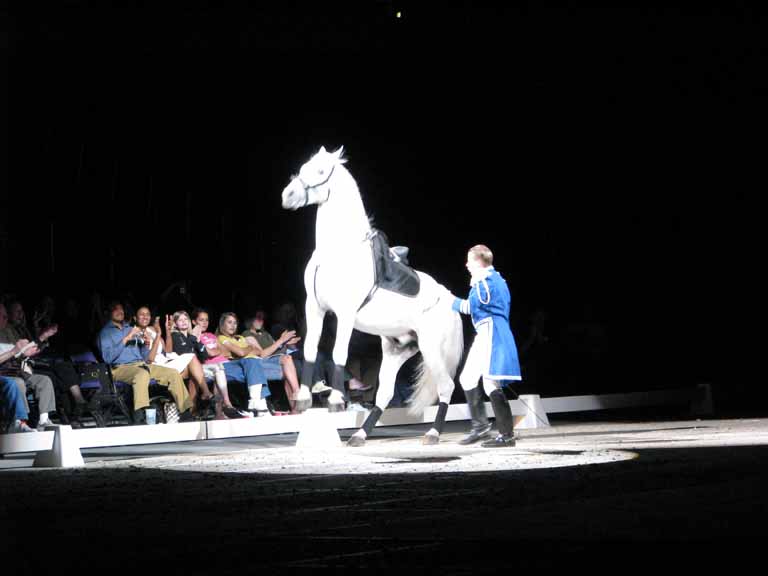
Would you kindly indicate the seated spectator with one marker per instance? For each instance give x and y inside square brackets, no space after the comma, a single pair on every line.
[184,342]
[126,350]
[276,358]
[13,411]
[17,320]
[185,363]
[324,364]
[44,314]
[245,361]
[51,361]
[213,365]
[12,366]
[363,363]
[158,353]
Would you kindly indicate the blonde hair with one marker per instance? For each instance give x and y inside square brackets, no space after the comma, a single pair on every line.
[482,253]
[177,315]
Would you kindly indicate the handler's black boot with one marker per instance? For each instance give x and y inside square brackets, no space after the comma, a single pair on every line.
[504,422]
[481,428]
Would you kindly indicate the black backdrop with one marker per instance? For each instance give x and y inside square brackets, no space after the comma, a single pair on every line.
[604,154]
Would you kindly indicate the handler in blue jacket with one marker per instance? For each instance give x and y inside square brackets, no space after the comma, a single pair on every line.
[493,355]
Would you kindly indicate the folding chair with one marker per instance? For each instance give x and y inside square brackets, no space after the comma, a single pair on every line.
[104,395]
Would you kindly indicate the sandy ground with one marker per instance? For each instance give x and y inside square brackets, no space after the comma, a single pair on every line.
[603,495]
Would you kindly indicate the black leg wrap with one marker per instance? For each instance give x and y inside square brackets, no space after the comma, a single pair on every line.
[306,374]
[338,380]
[370,422]
[442,410]
[504,421]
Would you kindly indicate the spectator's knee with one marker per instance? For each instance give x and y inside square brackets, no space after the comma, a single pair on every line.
[141,380]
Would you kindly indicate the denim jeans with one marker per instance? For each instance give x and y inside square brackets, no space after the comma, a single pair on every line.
[248,370]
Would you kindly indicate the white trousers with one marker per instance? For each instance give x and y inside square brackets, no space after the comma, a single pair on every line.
[478,361]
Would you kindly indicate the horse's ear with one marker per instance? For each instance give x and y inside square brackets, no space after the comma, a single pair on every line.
[322,150]
[338,154]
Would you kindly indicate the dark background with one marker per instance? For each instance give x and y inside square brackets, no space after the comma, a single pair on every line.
[605,153]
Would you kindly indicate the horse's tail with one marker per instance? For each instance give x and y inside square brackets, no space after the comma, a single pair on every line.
[443,355]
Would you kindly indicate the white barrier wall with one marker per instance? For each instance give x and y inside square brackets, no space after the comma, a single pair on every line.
[530,411]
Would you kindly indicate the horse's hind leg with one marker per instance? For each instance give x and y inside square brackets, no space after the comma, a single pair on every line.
[393,357]
[439,371]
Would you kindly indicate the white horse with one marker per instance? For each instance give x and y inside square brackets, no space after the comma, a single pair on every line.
[340,277]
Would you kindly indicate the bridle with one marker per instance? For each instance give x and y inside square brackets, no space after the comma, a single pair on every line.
[307,187]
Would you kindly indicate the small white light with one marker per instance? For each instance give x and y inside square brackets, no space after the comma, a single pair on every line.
[398,14]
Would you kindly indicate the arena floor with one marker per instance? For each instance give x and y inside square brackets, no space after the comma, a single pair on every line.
[645,494]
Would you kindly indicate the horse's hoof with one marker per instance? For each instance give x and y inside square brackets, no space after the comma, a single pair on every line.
[303,405]
[336,407]
[430,439]
[356,441]
[336,402]
[303,399]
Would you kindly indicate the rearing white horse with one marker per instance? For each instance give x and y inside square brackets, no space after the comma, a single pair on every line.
[340,277]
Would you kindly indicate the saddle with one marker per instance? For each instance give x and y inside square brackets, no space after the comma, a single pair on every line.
[392,271]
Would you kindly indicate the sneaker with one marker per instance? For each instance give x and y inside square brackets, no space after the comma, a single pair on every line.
[321,388]
[232,412]
[41,426]
[171,413]
[187,416]
[355,407]
[21,426]
[476,434]
[262,408]
[139,416]
[501,441]
[355,384]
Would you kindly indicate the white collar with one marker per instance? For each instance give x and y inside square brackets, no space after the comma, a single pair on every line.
[480,274]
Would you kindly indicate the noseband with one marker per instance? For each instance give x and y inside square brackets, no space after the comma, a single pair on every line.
[307,187]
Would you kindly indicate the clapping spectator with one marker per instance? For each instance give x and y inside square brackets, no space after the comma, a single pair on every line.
[126,349]
[244,362]
[12,366]
[276,359]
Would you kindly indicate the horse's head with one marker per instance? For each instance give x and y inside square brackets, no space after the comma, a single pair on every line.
[313,184]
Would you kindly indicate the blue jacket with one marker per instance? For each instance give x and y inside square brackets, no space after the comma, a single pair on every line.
[114,351]
[488,305]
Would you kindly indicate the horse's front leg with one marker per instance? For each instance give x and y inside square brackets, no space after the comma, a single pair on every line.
[345,322]
[315,316]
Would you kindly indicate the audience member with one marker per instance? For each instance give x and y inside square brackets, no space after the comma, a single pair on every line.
[184,342]
[276,357]
[126,350]
[213,366]
[17,320]
[51,361]
[325,366]
[13,410]
[364,361]
[44,314]
[245,361]
[184,363]
[13,367]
